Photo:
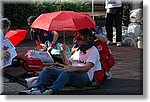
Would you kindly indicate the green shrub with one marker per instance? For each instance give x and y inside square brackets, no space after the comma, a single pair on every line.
[19,12]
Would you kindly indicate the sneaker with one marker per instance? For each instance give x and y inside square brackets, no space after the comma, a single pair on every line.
[109,43]
[24,92]
[119,44]
[32,91]
[36,92]
[48,92]
[108,75]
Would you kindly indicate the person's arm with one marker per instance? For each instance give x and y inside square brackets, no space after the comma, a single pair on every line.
[55,37]
[64,55]
[73,49]
[84,68]
[101,38]
[75,46]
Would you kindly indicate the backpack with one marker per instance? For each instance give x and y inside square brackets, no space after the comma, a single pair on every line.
[106,59]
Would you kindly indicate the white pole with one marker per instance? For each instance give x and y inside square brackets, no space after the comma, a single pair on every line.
[93,9]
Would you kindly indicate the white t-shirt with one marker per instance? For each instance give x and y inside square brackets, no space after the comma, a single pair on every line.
[113,3]
[92,55]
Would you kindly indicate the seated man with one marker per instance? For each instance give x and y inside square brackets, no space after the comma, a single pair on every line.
[4,28]
[77,71]
[97,36]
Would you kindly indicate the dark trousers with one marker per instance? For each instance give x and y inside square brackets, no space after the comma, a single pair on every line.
[114,19]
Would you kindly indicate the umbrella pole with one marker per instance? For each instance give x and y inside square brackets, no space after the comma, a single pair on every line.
[64,37]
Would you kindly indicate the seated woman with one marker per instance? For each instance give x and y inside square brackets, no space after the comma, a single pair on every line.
[78,71]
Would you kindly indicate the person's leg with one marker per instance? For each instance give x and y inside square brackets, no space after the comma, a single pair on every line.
[109,26]
[75,78]
[118,24]
[80,79]
[46,74]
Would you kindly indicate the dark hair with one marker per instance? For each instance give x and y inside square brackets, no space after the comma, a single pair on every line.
[87,33]
[31,19]
[4,22]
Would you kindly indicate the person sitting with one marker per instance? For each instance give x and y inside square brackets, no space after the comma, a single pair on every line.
[78,69]
[41,36]
[96,35]
[4,28]
[46,40]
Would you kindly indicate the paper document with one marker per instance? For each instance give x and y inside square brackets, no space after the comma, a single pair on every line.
[12,51]
[31,81]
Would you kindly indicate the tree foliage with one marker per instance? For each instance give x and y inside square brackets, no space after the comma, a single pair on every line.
[19,12]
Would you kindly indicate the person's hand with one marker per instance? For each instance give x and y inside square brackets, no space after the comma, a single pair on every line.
[52,45]
[5,54]
[73,50]
[69,68]
[43,46]
[63,48]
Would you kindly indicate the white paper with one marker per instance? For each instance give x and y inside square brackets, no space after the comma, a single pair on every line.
[12,51]
[31,81]
[42,55]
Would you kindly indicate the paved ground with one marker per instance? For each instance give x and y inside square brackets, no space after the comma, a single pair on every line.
[127,74]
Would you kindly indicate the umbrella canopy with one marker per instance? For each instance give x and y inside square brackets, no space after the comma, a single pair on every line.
[16,36]
[63,20]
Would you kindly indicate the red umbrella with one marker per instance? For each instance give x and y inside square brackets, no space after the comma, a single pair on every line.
[16,36]
[63,20]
